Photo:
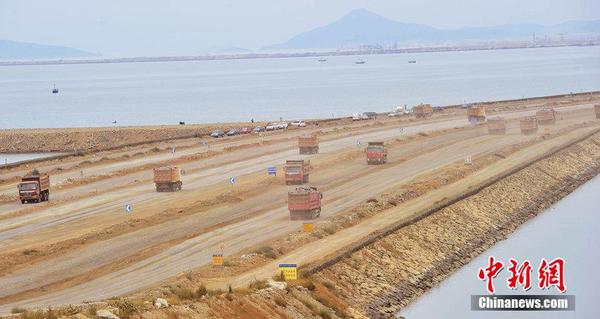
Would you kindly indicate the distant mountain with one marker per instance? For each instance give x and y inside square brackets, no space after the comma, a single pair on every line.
[12,50]
[362,27]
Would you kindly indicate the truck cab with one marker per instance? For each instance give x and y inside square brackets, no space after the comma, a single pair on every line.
[34,188]
[376,153]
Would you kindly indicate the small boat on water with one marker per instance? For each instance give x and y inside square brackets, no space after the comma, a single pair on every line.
[54,90]
[412,61]
[360,62]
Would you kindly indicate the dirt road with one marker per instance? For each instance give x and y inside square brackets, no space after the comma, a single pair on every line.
[78,254]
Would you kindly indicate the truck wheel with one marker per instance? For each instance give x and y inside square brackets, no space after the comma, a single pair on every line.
[23,201]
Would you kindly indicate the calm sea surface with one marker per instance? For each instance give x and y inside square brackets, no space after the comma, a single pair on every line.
[569,229]
[267,89]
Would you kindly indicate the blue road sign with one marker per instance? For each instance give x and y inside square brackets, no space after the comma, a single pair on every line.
[232,180]
[128,208]
[272,170]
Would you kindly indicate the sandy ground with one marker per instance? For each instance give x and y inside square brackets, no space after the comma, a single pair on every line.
[82,246]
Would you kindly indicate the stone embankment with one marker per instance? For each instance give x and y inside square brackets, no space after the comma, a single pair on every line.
[386,275]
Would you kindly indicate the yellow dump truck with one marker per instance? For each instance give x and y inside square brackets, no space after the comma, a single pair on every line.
[496,125]
[423,110]
[168,179]
[529,125]
[546,116]
[476,114]
[308,144]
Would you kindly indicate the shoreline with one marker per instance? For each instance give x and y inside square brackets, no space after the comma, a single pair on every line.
[330,53]
[86,140]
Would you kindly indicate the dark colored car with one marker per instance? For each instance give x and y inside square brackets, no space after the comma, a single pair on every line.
[246,130]
[259,129]
[217,133]
[233,131]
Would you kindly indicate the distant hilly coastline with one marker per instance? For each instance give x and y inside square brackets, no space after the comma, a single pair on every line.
[364,28]
[13,50]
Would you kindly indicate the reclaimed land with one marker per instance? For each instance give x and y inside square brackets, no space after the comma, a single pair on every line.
[377,276]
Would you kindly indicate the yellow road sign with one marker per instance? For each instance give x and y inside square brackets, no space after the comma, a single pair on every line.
[289,271]
[308,227]
[217,260]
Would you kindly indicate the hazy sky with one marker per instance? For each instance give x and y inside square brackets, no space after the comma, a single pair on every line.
[161,27]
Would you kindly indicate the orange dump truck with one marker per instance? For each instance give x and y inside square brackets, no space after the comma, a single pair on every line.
[476,114]
[496,125]
[546,116]
[597,110]
[296,171]
[423,110]
[529,125]
[34,188]
[376,153]
[308,145]
[167,179]
[304,203]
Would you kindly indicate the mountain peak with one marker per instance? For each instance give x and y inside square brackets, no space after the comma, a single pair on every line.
[361,13]
[361,27]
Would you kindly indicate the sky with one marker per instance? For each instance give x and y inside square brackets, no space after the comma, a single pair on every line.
[187,27]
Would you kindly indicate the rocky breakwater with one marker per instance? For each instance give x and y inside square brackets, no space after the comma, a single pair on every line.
[381,278]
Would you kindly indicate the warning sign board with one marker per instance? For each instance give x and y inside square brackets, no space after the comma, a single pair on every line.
[308,227]
[217,260]
[289,271]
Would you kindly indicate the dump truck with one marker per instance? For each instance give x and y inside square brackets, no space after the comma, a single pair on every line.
[34,188]
[168,179]
[546,116]
[308,144]
[476,114]
[597,110]
[304,203]
[423,110]
[296,171]
[376,153]
[496,125]
[529,125]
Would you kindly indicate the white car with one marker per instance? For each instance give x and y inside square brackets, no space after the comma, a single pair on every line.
[356,117]
[272,127]
[282,125]
[393,114]
[298,124]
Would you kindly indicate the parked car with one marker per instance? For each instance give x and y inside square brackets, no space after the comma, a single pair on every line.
[259,129]
[298,124]
[272,127]
[393,114]
[233,131]
[370,115]
[217,133]
[246,130]
[356,117]
[282,125]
